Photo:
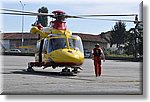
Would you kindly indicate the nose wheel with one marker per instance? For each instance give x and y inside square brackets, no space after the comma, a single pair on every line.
[66,71]
[76,69]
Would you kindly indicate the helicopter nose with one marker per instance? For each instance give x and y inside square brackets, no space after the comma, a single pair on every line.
[68,56]
[76,57]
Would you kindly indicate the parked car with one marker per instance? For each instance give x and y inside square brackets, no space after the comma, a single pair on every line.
[14,51]
[87,53]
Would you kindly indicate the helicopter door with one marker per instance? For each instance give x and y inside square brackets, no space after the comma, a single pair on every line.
[38,54]
[40,50]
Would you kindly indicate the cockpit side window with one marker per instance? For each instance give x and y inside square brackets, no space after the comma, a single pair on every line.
[76,43]
[45,45]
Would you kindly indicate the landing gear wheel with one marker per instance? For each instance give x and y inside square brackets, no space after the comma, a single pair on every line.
[75,70]
[66,71]
[30,69]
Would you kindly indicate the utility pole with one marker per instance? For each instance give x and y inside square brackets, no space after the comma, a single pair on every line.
[23,5]
[138,31]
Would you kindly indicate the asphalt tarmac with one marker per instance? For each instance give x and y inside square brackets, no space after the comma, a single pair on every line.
[118,77]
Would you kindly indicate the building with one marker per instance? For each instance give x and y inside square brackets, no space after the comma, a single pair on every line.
[90,40]
[111,48]
[107,37]
[13,41]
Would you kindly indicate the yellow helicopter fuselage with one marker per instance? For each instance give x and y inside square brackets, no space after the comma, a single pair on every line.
[60,47]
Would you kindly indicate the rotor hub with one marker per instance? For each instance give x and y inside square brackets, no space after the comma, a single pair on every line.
[58,12]
[59,15]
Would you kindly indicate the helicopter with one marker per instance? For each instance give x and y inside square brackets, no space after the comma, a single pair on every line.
[57,47]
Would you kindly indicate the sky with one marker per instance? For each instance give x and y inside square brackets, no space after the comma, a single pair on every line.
[71,7]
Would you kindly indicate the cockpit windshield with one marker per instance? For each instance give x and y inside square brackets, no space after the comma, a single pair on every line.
[59,43]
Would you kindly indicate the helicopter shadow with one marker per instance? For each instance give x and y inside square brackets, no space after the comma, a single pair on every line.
[54,75]
[44,73]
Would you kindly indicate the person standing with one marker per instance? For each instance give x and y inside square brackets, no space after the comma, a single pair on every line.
[97,56]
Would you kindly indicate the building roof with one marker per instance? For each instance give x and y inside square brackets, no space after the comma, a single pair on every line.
[84,37]
[106,36]
[90,37]
[8,36]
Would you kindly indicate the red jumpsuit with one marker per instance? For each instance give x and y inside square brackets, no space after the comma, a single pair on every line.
[97,60]
[97,64]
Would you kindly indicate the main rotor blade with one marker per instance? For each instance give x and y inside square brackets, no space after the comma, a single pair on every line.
[80,17]
[18,12]
[24,12]
[68,16]
[11,13]
[109,19]
[11,10]
[99,15]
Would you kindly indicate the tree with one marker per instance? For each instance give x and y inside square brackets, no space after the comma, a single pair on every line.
[134,40]
[130,42]
[118,34]
[139,27]
[43,19]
